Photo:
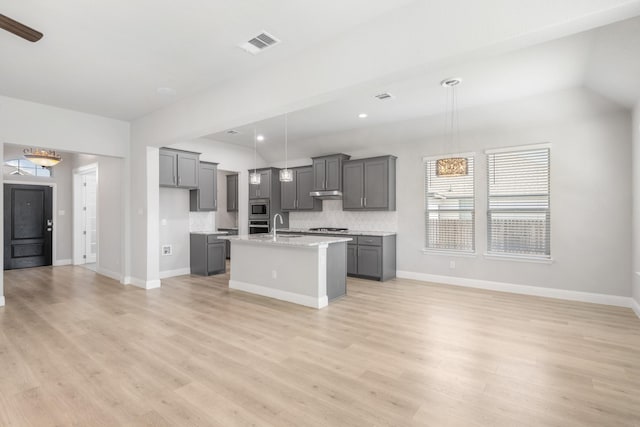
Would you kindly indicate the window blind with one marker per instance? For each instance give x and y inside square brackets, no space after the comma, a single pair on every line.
[518,204]
[449,209]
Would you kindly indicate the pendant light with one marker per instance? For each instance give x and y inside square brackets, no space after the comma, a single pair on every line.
[44,158]
[286,174]
[254,177]
[452,166]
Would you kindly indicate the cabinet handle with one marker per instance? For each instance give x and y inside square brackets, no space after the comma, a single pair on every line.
[215,203]
[361,202]
[174,179]
[365,201]
[178,179]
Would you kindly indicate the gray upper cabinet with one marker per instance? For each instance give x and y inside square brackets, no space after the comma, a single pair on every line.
[262,190]
[327,172]
[370,184]
[295,194]
[232,193]
[205,198]
[178,168]
[353,185]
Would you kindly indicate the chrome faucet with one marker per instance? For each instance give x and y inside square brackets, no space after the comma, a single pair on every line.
[274,224]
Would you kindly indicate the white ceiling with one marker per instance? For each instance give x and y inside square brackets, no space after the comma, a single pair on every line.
[600,59]
[108,57]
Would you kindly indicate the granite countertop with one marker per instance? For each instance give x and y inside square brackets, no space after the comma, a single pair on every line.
[284,240]
[346,233]
[210,232]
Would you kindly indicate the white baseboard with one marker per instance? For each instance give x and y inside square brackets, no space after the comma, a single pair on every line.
[2,301]
[172,273]
[520,289]
[279,294]
[110,274]
[145,284]
[635,306]
[61,262]
[126,280]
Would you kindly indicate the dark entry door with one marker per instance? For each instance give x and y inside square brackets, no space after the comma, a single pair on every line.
[27,226]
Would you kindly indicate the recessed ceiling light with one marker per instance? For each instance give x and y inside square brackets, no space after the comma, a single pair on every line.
[260,138]
[166,91]
[363,115]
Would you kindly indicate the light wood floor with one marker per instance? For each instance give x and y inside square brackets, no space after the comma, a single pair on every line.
[79,349]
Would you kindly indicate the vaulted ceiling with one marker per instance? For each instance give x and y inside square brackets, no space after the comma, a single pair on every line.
[110,57]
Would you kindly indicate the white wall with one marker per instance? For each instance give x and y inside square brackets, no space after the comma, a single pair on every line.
[174,230]
[591,207]
[635,280]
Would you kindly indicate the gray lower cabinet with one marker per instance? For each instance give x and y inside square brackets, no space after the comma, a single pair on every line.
[369,184]
[205,198]
[295,194]
[208,254]
[178,168]
[232,193]
[230,232]
[372,257]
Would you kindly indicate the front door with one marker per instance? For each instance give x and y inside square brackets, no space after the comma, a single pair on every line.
[27,226]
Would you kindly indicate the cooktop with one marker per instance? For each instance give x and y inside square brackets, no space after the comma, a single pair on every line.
[332,229]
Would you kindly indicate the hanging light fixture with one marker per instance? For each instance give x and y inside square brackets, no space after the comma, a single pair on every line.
[286,174]
[254,177]
[44,158]
[452,166]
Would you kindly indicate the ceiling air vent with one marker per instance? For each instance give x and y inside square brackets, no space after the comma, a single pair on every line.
[384,96]
[233,132]
[259,43]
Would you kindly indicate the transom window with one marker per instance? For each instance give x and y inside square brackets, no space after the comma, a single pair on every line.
[518,217]
[24,167]
[449,209]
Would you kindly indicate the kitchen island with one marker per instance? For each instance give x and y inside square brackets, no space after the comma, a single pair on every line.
[306,270]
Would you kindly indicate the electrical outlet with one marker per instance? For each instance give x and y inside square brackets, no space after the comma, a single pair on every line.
[274,274]
[452,264]
[167,250]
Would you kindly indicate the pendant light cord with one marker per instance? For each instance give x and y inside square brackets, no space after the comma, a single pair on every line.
[255,150]
[286,140]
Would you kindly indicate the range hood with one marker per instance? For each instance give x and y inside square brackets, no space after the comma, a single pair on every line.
[327,194]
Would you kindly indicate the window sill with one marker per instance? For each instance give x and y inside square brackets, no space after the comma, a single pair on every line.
[449,253]
[535,260]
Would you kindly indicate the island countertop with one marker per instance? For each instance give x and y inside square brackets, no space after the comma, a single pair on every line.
[345,233]
[286,240]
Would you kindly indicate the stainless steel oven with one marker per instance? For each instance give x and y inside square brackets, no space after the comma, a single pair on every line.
[258,226]
[259,209]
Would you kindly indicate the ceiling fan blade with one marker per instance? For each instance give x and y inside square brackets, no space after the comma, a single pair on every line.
[19,29]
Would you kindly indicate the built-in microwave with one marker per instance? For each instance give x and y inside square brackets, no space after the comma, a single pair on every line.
[259,226]
[259,209]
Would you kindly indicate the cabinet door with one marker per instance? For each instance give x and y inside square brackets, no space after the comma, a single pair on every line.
[376,184]
[353,185]
[216,257]
[319,174]
[370,261]
[333,171]
[168,172]
[232,193]
[207,190]
[265,185]
[188,170]
[288,194]
[352,259]
[305,185]
[254,190]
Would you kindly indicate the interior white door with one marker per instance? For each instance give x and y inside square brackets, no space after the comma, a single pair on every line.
[89,217]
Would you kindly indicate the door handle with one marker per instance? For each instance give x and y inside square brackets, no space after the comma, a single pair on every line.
[49,223]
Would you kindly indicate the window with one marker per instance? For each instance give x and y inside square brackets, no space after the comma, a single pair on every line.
[518,217]
[24,167]
[450,209]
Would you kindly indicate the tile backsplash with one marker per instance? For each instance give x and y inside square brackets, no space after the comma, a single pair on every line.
[202,221]
[332,215]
